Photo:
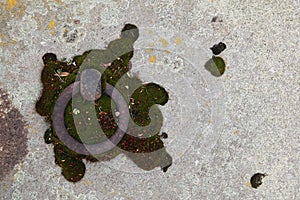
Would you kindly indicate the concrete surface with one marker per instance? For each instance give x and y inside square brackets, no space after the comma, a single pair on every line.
[221,130]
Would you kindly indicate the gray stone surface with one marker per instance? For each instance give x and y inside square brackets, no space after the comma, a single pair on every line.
[221,130]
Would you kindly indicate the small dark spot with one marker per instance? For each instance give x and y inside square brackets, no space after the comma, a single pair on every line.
[256,180]
[218,48]
[164,135]
[49,57]
[165,168]
[216,19]
[65,34]
[76,21]
[134,113]
[48,136]
[91,158]
[72,37]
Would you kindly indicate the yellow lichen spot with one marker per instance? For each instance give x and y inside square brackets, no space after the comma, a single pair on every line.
[236,132]
[10,4]
[151,45]
[248,184]
[168,52]
[164,42]
[18,11]
[149,50]
[0,44]
[51,24]
[52,33]
[178,41]
[209,121]
[88,182]
[59,1]
[152,59]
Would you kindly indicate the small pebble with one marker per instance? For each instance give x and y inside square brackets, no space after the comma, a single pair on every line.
[218,48]
[256,180]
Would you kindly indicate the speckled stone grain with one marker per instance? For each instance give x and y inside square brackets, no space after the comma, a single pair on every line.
[221,130]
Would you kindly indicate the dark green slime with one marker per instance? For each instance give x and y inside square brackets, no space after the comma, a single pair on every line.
[137,141]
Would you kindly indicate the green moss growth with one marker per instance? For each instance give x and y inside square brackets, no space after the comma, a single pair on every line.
[143,99]
[80,58]
[216,66]
[73,168]
[53,83]
[119,52]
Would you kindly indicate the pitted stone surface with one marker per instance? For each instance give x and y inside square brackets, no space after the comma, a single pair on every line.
[261,95]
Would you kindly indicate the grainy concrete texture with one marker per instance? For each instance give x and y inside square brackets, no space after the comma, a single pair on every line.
[222,130]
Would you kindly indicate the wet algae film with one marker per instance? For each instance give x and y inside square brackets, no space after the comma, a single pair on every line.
[141,142]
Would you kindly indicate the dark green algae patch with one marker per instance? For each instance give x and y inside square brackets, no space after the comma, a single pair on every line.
[114,65]
[216,66]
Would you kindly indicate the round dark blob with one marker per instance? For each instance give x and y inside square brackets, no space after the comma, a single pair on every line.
[49,57]
[218,48]
[256,180]
[164,135]
[130,31]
